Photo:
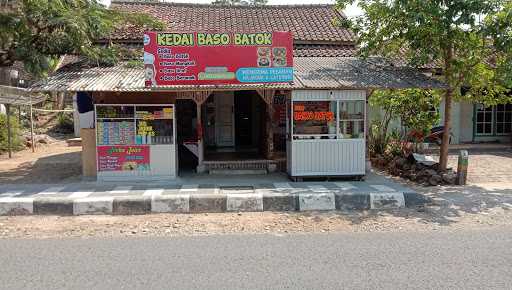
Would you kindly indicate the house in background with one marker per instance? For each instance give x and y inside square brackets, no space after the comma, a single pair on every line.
[471,122]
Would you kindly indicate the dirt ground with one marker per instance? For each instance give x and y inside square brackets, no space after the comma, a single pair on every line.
[50,163]
[42,227]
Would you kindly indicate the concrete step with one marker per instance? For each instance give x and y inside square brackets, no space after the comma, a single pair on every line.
[238,171]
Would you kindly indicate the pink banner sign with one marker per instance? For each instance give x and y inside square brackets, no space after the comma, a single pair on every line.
[123,158]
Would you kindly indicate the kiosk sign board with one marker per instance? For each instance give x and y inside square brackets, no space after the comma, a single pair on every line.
[199,58]
[123,158]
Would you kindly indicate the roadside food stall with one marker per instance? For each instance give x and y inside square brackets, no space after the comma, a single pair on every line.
[226,103]
[326,133]
[135,140]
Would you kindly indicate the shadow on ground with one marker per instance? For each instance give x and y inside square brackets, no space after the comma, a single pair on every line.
[449,204]
[64,167]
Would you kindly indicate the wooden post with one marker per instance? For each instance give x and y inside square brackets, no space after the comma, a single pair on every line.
[200,141]
[268,98]
[32,128]
[270,131]
[9,141]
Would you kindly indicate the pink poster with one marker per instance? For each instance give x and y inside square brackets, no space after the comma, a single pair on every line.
[123,158]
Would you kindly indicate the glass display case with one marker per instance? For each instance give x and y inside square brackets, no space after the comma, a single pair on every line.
[328,119]
[135,140]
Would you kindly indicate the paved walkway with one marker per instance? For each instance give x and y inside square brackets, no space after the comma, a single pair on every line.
[487,167]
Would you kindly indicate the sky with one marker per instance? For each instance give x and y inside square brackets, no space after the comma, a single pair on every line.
[349,11]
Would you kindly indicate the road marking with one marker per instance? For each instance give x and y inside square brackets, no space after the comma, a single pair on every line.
[121,189]
[317,188]
[153,192]
[11,194]
[80,194]
[382,188]
[189,188]
[51,190]
[345,185]
[282,186]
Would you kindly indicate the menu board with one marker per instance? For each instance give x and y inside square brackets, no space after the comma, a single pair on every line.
[115,133]
[123,158]
[198,58]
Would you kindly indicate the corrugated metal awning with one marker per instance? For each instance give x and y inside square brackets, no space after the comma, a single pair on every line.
[19,96]
[309,73]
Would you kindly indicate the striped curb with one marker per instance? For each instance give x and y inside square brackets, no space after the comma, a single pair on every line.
[93,205]
[244,202]
[352,201]
[179,203]
[318,201]
[128,205]
[279,202]
[387,200]
[202,203]
[207,203]
[16,206]
[53,206]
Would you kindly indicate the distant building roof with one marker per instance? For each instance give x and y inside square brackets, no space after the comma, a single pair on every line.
[19,96]
[310,73]
[309,23]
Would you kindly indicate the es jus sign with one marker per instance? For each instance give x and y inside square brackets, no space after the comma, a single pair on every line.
[217,58]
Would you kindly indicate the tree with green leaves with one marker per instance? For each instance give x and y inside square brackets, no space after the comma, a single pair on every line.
[38,32]
[240,2]
[470,39]
[412,107]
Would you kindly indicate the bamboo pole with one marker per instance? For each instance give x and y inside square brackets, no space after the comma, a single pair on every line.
[32,127]
[9,141]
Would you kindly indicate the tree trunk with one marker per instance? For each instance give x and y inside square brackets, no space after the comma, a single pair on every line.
[443,160]
[443,155]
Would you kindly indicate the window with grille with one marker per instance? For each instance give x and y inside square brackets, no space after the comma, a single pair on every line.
[503,119]
[484,120]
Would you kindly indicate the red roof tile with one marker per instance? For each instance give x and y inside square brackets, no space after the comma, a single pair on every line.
[311,23]
[324,50]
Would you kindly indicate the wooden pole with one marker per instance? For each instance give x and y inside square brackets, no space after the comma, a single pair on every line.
[32,127]
[9,141]
[200,143]
[270,130]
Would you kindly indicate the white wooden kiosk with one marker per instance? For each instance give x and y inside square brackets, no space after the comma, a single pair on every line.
[135,141]
[326,133]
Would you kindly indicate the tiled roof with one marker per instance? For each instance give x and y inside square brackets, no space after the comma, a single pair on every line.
[324,50]
[19,96]
[310,73]
[306,22]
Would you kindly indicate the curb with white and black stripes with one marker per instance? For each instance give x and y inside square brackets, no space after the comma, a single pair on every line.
[209,203]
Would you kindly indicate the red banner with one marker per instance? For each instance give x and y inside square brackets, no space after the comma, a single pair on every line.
[123,158]
[217,58]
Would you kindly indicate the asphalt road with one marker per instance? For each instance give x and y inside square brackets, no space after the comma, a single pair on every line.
[461,260]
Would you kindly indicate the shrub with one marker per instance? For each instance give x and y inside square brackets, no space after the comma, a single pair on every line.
[64,123]
[15,131]
[377,139]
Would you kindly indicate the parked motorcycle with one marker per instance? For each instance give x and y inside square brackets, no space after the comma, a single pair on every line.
[436,136]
